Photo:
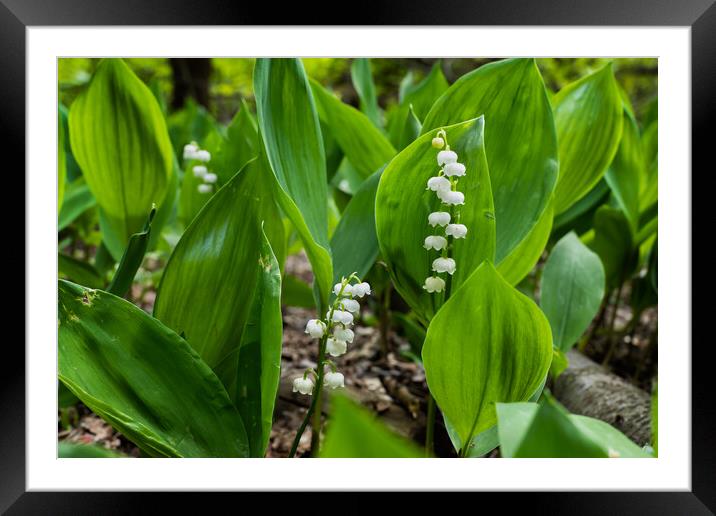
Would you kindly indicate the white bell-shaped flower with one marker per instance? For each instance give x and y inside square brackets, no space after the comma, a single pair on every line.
[434,284]
[344,334]
[316,328]
[456,230]
[454,169]
[361,289]
[190,150]
[335,347]
[204,188]
[202,155]
[350,304]
[450,197]
[436,242]
[199,171]
[438,143]
[210,178]
[334,380]
[341,316]
[303,385]
[444,265]
[439,218]
[446,157]
[438,183]
[347,290]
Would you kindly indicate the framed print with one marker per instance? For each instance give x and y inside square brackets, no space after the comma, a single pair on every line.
[421,246]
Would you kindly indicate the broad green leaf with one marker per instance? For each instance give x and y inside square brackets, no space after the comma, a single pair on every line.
[354,243]
[131,259]
[614,243]
[61,163]
[581,212]
[260,354]
[520,140]
[572,289]
[77,200]
[362,143]
[522,259]
[209,280]
[362,78]
[403,204]
[649,184]
[120,140]
[78,271]
[240,146]
[424,94]
[291,137]
[85,451]
[143,379]
[296,292]
[626,170]
[488,343]
[353,432]
[411,129]
[73,169]
[588,116]
[548,430]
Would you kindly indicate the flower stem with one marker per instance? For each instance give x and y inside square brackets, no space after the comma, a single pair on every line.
[314,403]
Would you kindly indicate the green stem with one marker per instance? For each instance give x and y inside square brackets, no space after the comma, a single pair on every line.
[430,428]
[314,402]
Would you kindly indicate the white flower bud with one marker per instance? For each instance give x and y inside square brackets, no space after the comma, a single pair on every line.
[438,183]
[202,155]
[334,380]
[341,316]
[434,284]
[446,156]
[343,334]
[335,347]
[199,171]
[438,143]
[361,289]
[349,304]
[190,150]
[456,230]
[204,188]
[444,265]
[439,218]
[347,290]
[210,178]
[303,385]
[451,198]
[316,328]
[435,242]
[454,169]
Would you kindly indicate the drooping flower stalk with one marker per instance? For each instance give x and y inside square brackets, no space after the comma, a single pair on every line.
[334,333]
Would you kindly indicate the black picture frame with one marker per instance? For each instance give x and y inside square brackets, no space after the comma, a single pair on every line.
[700,15]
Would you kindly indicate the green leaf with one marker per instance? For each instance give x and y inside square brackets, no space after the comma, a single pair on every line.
[77,200]
[143,379]
[131,259]
[649,184]
[354,243]
[423,95]
[353,432]
[411,128]
[291,137]
[488,343]
[120,140]
[260,354]
[588,115]
[362,143]
[572,290]
[85,451]
[548,430]
[61,163]
[626,170]
[209,280]
[296,292]
[560,362]
[520,140]
[240,146]
[582,211]
[362,79]
[614,243]
[522,259]
[403,205]
[73,169]
[79,272]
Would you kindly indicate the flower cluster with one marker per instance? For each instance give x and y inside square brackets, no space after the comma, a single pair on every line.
[334,332]
[445,187]
[192,152]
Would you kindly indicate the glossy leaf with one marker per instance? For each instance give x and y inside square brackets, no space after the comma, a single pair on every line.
[260,354]
[410,130]
[424,94]
[614,244]
[352,432]
[588,116]
[572,290]
[240,146]
[114,357]
[403,204]
[488,343]
[625,172]
[362,143]
[120,140]
[291,137]
[77,200]
[354,242]
[362,78]
[61,163]
[520,140]
[209,280]
[131,259]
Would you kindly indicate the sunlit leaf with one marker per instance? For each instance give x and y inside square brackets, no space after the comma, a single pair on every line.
[61,163]
[625,172]
[77,200]
[362,78]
